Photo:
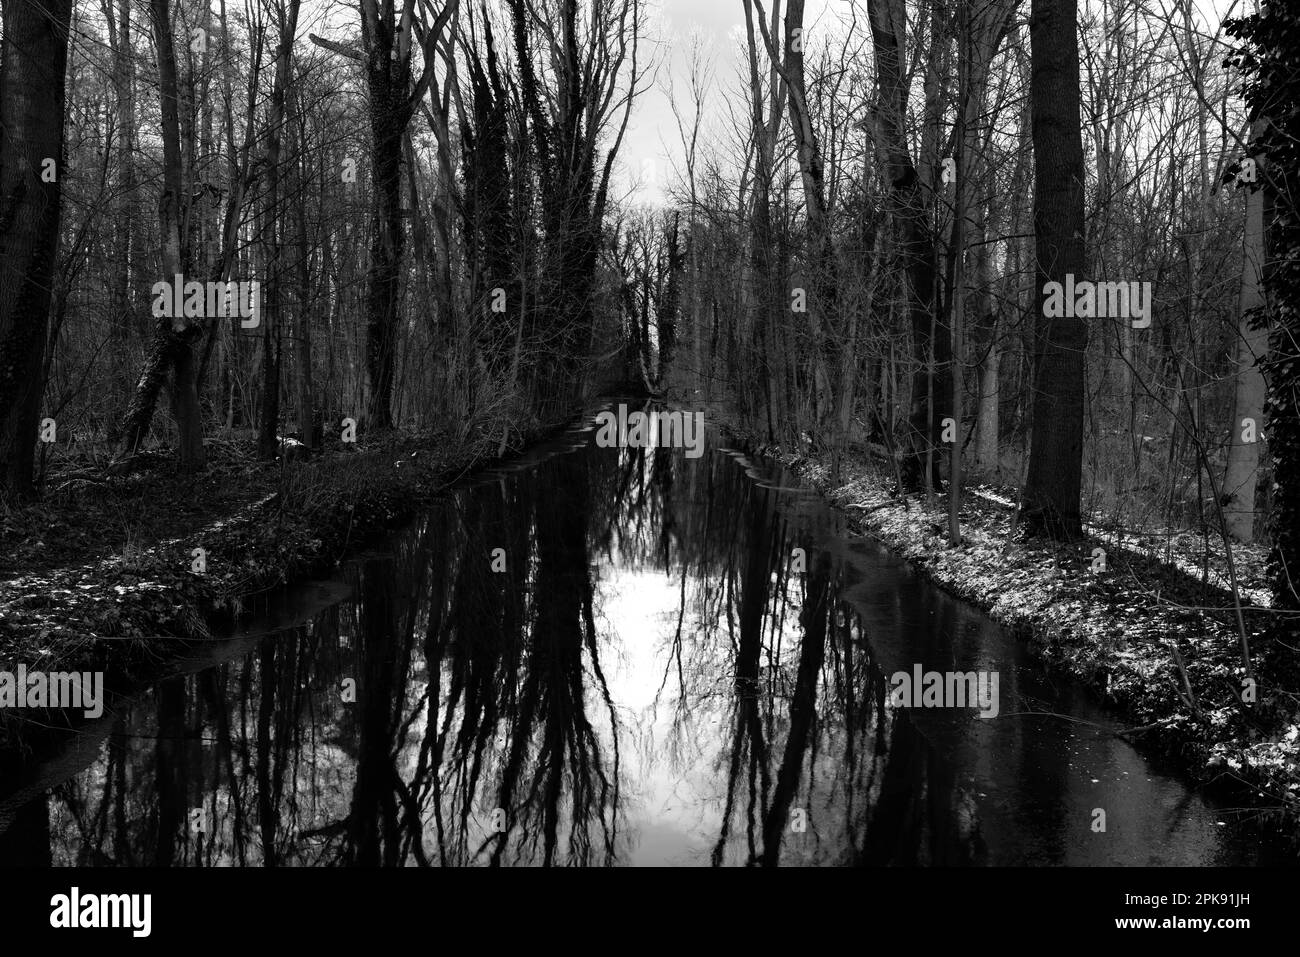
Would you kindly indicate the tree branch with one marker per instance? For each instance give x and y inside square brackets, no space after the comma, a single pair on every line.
[352,53]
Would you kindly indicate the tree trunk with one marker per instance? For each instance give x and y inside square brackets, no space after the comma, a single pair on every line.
[268,438]
[909,211]
[124,325]
[388,79]
[820,257]
[1051,497]
[1248,397]
[762,260]
[987,332]
[989,27]
[32,65]
[175,336]
[308,424]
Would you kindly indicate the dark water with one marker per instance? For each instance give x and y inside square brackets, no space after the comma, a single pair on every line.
[651,680]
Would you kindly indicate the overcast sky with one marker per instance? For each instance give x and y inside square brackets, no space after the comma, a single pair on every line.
[651,146]
[652,143]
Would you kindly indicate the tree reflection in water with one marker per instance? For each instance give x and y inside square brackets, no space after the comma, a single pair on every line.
[485,729]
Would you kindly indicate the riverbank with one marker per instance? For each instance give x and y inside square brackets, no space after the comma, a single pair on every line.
[105,572]
[1159,645]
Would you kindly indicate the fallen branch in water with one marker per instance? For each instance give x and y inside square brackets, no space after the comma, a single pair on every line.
[1100,727]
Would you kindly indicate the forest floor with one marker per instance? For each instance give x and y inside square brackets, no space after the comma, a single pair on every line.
[101,573]
[1155,634]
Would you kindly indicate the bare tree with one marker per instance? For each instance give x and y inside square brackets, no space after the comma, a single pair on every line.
[1051,496]
[909,203]
[32,64]
[1246,426]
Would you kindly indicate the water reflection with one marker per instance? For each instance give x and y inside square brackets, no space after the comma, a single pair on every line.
[604,656]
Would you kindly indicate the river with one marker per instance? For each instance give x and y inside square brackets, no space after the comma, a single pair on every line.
[605,656]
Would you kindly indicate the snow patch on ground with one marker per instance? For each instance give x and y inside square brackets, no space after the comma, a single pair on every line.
[1123,637]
